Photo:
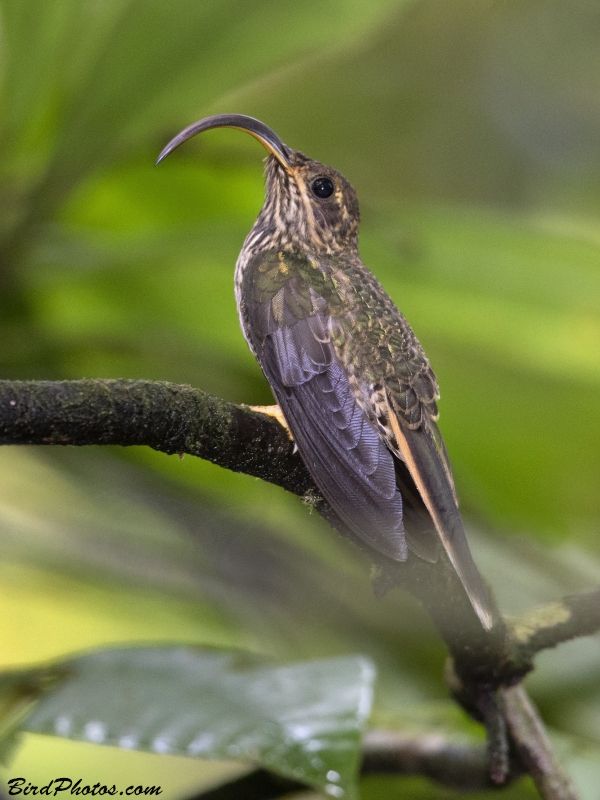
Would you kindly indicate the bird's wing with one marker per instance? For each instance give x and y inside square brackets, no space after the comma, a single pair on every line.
[342,449]
[288,313]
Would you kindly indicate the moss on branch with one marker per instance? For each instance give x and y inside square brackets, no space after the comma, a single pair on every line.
[549,625]
[175,418]
[165,416]
[180,419]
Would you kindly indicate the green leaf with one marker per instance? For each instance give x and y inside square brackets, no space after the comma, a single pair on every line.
[303,720]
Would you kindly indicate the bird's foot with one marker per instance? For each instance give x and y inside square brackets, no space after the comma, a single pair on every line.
[276,413]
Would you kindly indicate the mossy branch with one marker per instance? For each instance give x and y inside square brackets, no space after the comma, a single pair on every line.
[180,419]
[549,625]
[168,417]
[173,418]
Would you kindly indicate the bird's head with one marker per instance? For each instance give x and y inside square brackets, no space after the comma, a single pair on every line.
[308,206]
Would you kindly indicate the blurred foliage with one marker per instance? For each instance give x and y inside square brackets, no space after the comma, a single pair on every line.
[470,130]
[303,721]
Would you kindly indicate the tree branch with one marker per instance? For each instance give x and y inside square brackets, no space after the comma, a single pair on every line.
[165,416]
[464,767]
[553,623]
[535,749]
[179,419]
[173,418]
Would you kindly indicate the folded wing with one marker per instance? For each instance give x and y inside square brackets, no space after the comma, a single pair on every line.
[343,450]
[364,470]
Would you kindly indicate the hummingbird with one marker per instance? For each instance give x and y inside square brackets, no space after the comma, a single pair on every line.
[352,382]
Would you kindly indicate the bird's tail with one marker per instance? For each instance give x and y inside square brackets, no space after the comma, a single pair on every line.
[424,454]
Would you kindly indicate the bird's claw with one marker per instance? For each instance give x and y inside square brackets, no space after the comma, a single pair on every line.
[275,412]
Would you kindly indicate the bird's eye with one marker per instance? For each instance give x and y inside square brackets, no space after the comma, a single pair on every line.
[322,187]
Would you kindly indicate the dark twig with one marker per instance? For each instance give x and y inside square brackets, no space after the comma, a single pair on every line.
[464,767]
[180,419]
[492,711]
[534,747]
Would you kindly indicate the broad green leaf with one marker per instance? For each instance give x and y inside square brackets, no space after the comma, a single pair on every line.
[302,720]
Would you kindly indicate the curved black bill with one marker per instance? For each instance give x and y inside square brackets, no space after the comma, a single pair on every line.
[254,127]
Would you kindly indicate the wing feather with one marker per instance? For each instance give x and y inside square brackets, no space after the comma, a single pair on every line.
[421,453]
[354,468]
[383,477]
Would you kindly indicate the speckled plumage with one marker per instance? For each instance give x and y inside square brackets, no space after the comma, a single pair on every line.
[309,308]
[370,336]
[350,376]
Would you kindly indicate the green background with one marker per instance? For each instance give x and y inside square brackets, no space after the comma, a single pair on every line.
[471,132]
